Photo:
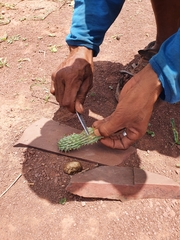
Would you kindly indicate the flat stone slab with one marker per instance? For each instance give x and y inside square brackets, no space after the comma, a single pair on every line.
[123,183]
[45,133]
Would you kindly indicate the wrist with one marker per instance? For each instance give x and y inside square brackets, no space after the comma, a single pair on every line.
[149,82]
[82,52]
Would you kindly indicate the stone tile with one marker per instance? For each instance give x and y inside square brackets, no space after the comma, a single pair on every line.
[122,183]
[45,133]
[153,185]
[102,182]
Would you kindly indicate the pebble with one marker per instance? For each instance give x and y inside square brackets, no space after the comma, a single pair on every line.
[72,167]
[83,204]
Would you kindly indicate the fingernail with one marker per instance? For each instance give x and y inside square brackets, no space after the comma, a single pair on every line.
[96,132]
[81,107]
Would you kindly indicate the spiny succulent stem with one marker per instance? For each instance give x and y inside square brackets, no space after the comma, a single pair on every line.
[75,141]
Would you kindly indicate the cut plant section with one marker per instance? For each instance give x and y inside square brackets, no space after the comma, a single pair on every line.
[75,141]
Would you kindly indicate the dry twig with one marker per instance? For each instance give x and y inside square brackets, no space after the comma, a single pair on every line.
[2,194]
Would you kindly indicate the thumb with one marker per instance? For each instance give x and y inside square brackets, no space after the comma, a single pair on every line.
[109,125]
[79,107]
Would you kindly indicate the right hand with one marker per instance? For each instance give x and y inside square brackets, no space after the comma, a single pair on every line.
[134,109]
[72,80]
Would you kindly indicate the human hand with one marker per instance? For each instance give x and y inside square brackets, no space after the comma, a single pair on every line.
[72,80]
[133,111]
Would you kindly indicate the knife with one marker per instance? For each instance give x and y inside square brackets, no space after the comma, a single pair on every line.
[81,119]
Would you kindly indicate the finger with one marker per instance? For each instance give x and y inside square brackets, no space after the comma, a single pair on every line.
[110,125]
[96,132]
[121,141]
[70,94]
[59,88]
[98,123]
[52,88]
[78,92]
[79,107]
[81,95]
[86,85]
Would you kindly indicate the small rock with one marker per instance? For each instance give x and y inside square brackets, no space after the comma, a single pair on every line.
[72,167]
[178,165]
[83,204]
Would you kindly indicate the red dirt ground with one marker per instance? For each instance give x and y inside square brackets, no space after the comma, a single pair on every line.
[31,209]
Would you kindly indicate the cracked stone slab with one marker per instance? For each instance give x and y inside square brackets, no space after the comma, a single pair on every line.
[123,183]
[45,133]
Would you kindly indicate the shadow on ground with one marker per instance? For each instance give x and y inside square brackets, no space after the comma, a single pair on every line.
[44,171]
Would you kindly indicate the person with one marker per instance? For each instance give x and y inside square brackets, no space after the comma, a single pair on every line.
[72,80]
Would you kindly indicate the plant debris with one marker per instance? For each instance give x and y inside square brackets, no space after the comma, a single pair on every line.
[175,132]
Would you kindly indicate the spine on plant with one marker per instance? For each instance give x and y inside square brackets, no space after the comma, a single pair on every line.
[75,141]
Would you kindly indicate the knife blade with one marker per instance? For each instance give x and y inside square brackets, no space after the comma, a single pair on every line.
[81,119]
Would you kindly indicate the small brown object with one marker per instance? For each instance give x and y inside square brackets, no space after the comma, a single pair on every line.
[72,167]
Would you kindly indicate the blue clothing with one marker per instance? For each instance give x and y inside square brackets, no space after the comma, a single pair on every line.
[166,64]
[91,20]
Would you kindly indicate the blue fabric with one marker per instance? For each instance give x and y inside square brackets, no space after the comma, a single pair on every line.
[166,64]
[91,20]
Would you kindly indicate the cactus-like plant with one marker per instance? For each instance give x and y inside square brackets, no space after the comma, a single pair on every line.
[75,141]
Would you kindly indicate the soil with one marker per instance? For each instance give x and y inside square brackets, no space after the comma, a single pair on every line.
[32,208]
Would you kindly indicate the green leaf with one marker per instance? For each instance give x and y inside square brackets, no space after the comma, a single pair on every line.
[47,97]
[151,133]
[175,132]
[3,38]
[62,201]
[53,49]
[3,63]
[52,35]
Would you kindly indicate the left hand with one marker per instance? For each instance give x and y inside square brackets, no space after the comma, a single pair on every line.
[133,111]
[73,78]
